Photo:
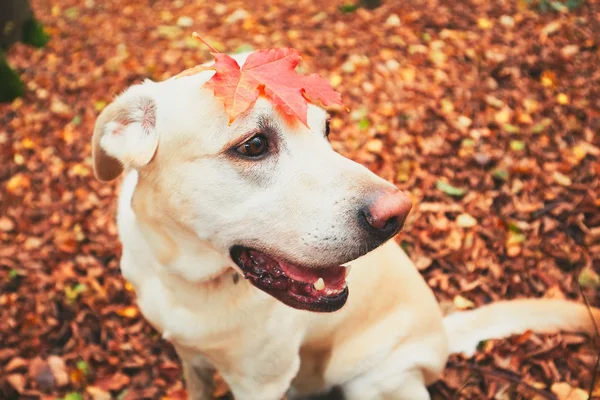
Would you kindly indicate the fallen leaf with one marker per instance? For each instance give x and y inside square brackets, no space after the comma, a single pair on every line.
[511,128]
[449,189]
[500,173]
[588,278]
[564,391]
[562,98]
[270,72]
[548,78]
[549,29]
[462,303]
[422,262]
[73,396]
[97,393]
[18,183]
[485,23]
[17,381]
[569,51]
[59,371]
[466,221]
[517,145]
[374,146]
[15,364]
[116,382]
[128,312]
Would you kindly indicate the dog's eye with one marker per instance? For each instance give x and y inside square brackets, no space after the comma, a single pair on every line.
[327,128]
[256,146]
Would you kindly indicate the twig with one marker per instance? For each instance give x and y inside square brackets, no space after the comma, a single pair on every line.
[463,387]
[495,373]
[597,366]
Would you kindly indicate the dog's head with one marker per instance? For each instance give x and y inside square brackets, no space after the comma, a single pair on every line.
[266,192]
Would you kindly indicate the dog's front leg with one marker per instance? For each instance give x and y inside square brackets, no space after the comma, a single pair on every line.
[198,381]
[198,375]
[264,380]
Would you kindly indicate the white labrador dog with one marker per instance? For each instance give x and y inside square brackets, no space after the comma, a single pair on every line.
[205,205]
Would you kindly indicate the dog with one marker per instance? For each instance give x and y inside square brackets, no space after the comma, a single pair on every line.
[239,240]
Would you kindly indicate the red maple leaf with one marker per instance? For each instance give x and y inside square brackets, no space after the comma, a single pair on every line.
[272,73]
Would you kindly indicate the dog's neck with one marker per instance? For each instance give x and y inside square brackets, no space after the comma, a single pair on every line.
[195,260]
[176,249]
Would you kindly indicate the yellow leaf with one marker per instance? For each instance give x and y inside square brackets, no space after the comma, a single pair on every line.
[466,221]
[248,24]
[18,181]
[129,287]
[549,29]
[403,172]
[408,75]
[337,123]
[374,146]
[503,116]
[562,99]
[128,312]
[335,80]
[463,303]
[580,152]
[166,16]
[525,119]
[530,105]
[485,23]
[293,34]
[447,106]
[27,143]
[437,57]
[561,179]
[387,109]
[79,169]
[464,121]
[548,79]
[68,135]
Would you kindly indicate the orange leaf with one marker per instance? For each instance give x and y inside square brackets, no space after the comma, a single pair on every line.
[269,72]
[128,312]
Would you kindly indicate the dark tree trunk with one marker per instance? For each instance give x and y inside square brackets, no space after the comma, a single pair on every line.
[17,24]
[14,15]
[370,4]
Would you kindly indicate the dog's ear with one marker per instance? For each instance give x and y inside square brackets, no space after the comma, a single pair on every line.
[125,134]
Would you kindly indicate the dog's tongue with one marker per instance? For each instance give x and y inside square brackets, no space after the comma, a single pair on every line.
[333,277]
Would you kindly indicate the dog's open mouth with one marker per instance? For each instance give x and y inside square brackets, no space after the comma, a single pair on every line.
[312,289]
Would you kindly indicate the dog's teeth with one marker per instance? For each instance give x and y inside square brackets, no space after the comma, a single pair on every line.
[319,284]
[348,268]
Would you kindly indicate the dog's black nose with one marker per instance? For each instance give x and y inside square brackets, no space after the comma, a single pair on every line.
[385,216]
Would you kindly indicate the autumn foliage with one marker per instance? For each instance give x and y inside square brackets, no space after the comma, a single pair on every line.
[486,112]
[271,73]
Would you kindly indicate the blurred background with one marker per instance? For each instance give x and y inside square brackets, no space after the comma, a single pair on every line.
[486,112]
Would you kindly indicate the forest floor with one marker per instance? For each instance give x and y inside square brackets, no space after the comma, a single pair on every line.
[486,112]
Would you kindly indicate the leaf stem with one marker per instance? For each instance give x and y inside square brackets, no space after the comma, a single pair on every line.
[197,36]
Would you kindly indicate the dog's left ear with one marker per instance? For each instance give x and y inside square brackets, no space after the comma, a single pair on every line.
[125,134]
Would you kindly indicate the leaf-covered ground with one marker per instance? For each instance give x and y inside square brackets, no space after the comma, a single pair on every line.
[487,112]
